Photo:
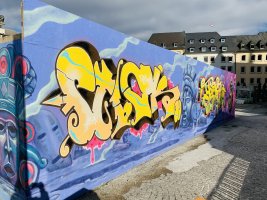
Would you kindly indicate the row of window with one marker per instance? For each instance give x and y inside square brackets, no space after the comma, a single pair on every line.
[212,59]
[203,41]
[222,40]
[174,44]
[253,69]
[251,46]
[204,49]
[252,80]
[229,68]
[253,57]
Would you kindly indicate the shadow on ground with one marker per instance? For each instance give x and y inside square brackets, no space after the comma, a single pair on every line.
[245,176]
[84,194]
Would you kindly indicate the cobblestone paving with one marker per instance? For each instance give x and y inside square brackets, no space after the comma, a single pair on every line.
[239,171]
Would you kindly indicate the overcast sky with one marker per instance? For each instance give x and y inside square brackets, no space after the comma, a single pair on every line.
[11,10]
[141,18]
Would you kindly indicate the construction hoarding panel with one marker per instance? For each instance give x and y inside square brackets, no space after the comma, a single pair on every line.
[98,102]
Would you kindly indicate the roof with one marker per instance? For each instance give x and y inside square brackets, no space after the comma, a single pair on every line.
[168,39]
[203,39]
[247,40]
[207,42]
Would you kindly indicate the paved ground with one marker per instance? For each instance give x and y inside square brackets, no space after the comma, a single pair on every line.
[229,162]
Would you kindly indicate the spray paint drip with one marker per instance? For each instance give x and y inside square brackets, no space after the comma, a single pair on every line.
[92,145]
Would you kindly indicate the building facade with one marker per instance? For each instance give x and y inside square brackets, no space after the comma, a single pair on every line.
[7,35]
[246,55]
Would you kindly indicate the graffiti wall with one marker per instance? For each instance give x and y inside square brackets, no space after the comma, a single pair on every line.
[98,102]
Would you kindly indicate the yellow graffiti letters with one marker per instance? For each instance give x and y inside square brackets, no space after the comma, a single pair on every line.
[211,94]
[100,100]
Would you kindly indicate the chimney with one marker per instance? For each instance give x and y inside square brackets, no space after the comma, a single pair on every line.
[2,20]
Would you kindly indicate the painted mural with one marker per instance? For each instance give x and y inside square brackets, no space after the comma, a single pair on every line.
[98,103]
[19,163]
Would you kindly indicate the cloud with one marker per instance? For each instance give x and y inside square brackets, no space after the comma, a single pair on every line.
[34,108]
[108,53]
[142,18]
[178,61]
[205,71]
[45,14]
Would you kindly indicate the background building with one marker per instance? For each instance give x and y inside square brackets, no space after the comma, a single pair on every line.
[246,55]
[172,41]
[6,34]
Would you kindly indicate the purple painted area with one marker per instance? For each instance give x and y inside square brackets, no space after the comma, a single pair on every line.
[92,164]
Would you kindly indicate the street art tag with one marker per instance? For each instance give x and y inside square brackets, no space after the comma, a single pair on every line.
[99,99]
[212,95]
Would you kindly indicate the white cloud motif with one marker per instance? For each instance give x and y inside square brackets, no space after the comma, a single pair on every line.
[179,60]
[34,108]
[34,19]
[109,52]
[206,71]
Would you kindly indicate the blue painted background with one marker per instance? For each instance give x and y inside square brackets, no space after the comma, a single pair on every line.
[47,31]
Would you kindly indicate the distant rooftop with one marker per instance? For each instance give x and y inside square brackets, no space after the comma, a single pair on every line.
[208,42]
[170,40]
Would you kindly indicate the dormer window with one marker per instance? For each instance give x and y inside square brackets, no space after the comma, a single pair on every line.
[175,44]
[252,46]
[163,45]
[242,45]
[191,49]
[224,48]
[212,48]
[222,40]
[191,41]
[212,40]
[202,41]
[261,46]
[203,49]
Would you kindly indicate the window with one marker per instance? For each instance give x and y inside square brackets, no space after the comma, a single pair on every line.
[206,59]
[212,48]
[191,49]
[191,41]
[252,46]
[252,69]
[242,80]
[259,69]
[224,48]
[252,58]
[261,46]
[175,44]
[212,40]
[212,59]
[223,67]
[230,59]
[223,59]
[243,70]
[229,68]
[259,57]
[266,57]
[265,69]
[243,57]
[163,45]
[195,58]
[258,80]
[222,40]
[203,49]
[251,80]
[242,45]
[202,41]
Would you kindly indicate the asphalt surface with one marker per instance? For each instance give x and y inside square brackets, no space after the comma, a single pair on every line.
[229,162]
